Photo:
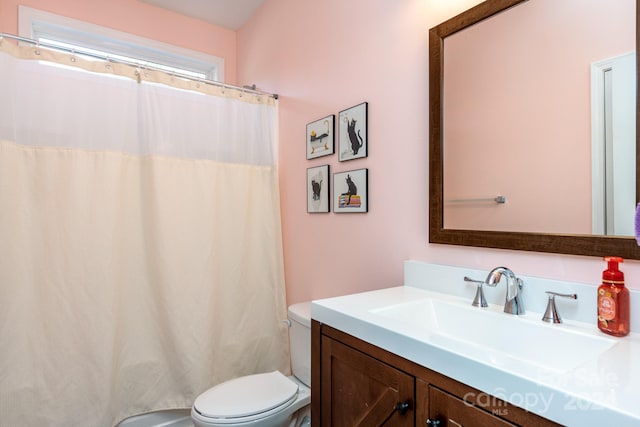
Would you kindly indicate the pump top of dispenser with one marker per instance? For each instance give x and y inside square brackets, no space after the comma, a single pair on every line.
[612,274]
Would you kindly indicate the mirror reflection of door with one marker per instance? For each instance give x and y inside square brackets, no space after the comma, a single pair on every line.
[613,89]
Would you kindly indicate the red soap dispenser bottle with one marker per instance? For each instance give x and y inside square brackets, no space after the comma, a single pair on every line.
[613,300]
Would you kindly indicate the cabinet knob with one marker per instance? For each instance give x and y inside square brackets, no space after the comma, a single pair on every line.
[403,407]
[433,423]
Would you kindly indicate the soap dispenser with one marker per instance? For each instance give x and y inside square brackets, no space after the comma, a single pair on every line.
[613,300]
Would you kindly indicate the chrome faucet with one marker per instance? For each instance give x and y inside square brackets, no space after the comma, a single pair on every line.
[479,300]
[551,313]
[513,303]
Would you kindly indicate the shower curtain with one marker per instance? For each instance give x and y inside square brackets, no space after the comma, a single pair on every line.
[140,240]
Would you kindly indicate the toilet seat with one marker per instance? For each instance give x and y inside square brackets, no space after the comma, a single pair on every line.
[247,398]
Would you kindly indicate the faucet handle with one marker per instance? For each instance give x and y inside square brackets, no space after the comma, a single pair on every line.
[551,313]
[479,300]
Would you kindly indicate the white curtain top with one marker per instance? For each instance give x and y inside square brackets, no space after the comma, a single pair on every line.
[190,119]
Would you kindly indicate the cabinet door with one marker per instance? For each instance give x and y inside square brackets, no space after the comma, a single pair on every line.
[446,410]
[359,390]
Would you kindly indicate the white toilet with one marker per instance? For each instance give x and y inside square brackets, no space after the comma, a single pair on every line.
[265,400]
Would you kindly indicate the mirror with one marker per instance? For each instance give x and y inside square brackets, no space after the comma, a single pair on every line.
[553,211]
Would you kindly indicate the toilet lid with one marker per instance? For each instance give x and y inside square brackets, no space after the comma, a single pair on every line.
[246,396]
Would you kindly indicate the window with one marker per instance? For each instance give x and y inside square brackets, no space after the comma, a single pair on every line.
[93,39]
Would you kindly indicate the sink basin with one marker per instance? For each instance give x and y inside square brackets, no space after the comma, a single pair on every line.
[500,339]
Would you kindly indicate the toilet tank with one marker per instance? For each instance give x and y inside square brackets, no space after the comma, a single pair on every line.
[300,341]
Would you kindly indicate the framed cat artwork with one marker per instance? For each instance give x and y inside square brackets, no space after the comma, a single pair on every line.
[353,138]
[320,137]
[351,191]
[318,189]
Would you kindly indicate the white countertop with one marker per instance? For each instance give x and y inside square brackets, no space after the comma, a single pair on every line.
[601,390]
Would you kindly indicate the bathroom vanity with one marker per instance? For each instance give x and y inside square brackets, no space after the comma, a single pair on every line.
[420,354]
[364,385]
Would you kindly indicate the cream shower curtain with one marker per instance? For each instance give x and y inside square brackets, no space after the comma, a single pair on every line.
[140,240]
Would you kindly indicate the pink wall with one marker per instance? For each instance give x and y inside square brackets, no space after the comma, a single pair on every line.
[322,57]
[141,19]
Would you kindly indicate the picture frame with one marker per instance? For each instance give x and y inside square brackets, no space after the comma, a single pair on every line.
[321,137]
[351,191]
[353,132]
[318,197]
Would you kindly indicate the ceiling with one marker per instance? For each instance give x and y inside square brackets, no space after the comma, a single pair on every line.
[230,14]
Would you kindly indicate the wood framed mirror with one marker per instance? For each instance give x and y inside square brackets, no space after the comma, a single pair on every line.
[443,125]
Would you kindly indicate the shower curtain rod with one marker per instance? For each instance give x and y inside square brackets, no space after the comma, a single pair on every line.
[247,89]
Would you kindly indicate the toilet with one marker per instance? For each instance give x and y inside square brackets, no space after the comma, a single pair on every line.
[269,399]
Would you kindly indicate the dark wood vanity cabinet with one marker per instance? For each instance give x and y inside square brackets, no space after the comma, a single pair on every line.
[438,405]
[359,390]
[355,383]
